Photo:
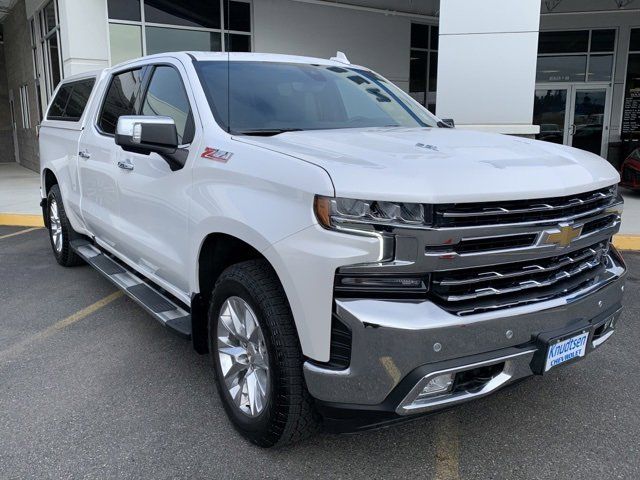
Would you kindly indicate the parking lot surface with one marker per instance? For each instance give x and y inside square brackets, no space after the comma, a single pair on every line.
[92,387]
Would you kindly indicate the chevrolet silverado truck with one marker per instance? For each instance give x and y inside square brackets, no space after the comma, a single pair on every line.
[346,258]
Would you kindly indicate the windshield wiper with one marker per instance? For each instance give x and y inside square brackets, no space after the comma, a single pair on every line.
[268,132]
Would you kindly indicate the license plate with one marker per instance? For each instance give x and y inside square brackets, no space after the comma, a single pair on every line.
[565,350]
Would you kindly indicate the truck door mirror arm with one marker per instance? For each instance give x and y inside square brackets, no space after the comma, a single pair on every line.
[147,134]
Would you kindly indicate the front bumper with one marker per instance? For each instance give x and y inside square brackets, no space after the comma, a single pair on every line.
[395,344]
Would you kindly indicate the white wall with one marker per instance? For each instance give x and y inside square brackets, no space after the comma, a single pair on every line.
[378,41]
[487,64]
[84,35]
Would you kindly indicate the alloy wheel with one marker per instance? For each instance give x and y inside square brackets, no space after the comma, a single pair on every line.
[55,226]
[244,360]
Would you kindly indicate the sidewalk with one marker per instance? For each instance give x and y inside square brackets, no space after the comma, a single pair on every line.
[19,196]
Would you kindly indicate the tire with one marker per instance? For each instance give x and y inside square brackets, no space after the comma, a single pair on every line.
[287,414]
[60,231]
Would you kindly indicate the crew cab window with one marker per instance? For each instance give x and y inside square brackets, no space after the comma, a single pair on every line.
[71,100]
[122,99]
[167,96]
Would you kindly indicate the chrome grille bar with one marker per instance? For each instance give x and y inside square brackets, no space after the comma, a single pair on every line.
[526,285]
[543,207]
[527,270]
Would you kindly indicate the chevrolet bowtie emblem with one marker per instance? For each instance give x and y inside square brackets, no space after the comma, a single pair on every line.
[563,235]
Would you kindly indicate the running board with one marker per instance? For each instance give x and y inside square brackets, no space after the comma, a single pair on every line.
[163,309]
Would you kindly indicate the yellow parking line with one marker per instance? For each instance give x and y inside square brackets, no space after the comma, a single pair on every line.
[20,232]
[447,447]
[627,242]
[56,327]
[16,220]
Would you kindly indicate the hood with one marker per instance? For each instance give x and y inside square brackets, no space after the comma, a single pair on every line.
[442,165]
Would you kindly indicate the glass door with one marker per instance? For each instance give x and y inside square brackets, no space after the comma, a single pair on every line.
[550,113]
[588,119]
[573,114]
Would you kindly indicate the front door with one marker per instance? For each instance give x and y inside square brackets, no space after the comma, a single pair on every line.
[574,114]
[153,197]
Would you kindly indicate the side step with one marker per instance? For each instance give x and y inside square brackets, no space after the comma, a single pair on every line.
[163,309]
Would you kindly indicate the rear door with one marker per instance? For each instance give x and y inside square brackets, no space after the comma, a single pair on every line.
[60,134]
[97,163]
[154,198]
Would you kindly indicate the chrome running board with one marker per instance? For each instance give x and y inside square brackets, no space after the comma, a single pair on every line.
[158,304]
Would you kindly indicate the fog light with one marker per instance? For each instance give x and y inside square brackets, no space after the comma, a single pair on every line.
[439,384]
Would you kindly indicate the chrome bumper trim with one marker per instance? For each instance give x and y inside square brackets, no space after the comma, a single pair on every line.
[514,366]
[391,338]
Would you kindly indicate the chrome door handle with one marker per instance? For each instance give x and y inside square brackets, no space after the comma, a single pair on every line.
[573,129]
[125,165]
[84,154]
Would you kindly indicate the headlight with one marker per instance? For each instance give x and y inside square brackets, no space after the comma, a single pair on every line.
[347,213]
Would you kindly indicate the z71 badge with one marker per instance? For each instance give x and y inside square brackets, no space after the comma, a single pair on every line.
[215,154]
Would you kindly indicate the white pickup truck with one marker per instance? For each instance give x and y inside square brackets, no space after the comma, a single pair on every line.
[346,258]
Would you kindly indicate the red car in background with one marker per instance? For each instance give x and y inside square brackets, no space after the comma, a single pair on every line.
[630,171]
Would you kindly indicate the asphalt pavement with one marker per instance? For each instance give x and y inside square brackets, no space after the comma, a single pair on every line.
[92,387]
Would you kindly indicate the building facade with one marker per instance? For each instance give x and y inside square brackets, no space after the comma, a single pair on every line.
[564,71]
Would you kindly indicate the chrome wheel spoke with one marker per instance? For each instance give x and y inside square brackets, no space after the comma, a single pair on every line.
[243,356]
[55,226]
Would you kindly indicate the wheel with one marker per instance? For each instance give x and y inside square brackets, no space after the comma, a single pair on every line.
[257,357]
[60,231]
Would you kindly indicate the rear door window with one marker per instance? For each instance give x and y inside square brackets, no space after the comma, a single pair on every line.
[166,96]
[122,98]
[71,100]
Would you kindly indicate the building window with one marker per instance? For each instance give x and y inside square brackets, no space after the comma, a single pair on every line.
[631,107]
[145,27]
[24,106]
[576,56]
[46,54]
[423,69]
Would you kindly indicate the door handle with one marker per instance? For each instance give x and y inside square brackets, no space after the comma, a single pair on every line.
[573,129]
[84,154]
[125,165]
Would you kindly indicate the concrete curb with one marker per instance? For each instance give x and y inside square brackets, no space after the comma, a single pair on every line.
[16,220]
[627,242]
[622,242]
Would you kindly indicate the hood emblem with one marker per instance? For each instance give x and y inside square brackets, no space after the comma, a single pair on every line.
[433,148]
[562,236]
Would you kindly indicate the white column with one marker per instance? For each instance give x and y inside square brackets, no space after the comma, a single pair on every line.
[84,35]
[487,64]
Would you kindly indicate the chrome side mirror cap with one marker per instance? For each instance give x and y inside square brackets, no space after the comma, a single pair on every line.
[146,134]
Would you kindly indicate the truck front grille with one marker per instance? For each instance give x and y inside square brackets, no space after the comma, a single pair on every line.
[522,211]
[476,289]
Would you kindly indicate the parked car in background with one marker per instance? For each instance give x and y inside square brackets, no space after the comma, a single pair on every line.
[630,170]
[346,258]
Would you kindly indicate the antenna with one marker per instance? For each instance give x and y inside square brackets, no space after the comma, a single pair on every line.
[341,57]
[227,43]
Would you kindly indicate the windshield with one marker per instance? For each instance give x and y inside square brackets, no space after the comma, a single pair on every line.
[268,98]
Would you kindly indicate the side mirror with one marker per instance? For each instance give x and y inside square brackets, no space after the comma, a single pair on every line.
[142,134]
[449,122]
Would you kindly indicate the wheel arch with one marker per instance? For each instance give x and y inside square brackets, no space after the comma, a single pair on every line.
[218,251]
[49,179]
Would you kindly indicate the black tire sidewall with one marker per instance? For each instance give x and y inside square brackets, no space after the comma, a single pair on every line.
[252,427]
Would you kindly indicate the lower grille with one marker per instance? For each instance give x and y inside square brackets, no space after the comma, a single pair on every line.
[340,350]
[472,290]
